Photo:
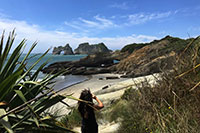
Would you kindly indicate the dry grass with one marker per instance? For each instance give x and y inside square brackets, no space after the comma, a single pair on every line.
[173,105]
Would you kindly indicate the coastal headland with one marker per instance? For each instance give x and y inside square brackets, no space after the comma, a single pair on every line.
[133,60]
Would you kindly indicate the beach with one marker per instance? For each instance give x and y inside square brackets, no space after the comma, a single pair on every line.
[95,83]
[105,88]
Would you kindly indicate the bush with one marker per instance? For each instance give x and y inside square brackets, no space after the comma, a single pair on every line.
[72,120]
[170,106]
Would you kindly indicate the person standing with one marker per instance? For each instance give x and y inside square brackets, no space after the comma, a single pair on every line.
[89,124]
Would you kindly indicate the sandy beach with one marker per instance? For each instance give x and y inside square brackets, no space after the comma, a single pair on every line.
[114,88]
[106,90]
[95,84]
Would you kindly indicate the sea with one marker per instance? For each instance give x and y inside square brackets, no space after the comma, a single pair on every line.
[61,81]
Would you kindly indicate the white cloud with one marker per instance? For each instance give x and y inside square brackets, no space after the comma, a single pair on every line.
[103,23]
[89,23]
[47,39]
[118,42]
[140,18]
[97,23]
[122,6]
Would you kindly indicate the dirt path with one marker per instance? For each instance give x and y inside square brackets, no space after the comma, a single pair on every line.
[107,128]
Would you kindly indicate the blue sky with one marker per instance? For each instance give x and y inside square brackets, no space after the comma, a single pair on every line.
[114,22]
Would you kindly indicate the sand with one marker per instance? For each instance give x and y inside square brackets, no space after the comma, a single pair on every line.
[114,89]
[95,84]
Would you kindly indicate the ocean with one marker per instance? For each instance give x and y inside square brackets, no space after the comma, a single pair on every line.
[61,81]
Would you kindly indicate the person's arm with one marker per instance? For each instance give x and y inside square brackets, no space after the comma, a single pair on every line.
[100,104]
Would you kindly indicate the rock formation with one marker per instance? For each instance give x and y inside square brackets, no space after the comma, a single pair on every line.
[153,58]
[85,48]
[133,60]
[66,49]
[92,64]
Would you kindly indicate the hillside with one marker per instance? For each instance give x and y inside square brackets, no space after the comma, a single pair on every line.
[151,57]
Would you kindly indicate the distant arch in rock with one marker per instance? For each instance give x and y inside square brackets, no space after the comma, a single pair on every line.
[66,50]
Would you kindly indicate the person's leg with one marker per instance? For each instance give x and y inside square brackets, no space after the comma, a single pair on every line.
[83,130]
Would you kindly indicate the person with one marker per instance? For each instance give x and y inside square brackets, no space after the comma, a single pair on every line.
[89,124]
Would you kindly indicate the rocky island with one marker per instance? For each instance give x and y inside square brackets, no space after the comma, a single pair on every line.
[86,48]
[83,48]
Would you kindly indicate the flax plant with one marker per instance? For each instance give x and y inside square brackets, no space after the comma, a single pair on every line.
[23,99]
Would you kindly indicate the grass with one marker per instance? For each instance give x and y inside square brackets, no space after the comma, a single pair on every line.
[73,119]
[131,47]
[173,43]
[170,106]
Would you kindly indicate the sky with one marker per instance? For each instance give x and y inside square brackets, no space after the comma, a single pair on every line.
[116,23]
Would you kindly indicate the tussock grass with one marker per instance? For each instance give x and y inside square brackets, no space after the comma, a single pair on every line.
[170,106]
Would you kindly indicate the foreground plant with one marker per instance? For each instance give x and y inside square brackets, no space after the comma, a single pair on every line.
[24,99]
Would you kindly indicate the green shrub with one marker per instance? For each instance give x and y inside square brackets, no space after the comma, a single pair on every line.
[117,110]
[72,119]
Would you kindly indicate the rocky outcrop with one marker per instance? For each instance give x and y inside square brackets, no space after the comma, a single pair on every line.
[117,55]
[85,48]
[66,49]
[92,64]
[146,59]
[153,58]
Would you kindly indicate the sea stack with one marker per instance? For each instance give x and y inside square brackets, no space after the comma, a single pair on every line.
[66,49]
[86,48]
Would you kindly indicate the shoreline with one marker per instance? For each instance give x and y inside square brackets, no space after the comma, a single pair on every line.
[93,82]
[114,90]
[79,82]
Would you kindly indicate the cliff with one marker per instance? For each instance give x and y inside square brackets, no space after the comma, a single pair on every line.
[85,48]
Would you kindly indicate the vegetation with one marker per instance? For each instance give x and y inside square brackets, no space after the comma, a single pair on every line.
[73,119]
[170,106]
[173,43]
[176,44]
[132,47]
[23,98]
